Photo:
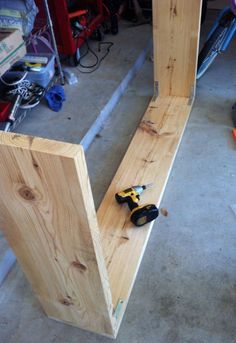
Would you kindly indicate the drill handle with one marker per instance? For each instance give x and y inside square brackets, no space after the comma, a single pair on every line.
[132,202]
[120,198]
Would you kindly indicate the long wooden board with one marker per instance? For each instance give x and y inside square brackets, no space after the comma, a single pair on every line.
[148,159]
[176,33]
[81,275]
[48,216]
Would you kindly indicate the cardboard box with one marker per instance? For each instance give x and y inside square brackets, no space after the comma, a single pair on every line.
[12,48]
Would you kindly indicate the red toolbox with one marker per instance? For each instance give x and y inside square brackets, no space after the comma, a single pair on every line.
[62,16]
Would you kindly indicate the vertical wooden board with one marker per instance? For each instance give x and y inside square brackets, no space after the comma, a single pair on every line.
[48,216]
[176,29]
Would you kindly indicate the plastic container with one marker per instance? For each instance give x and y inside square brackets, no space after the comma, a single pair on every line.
[44,76]
[70,77]
[41,77]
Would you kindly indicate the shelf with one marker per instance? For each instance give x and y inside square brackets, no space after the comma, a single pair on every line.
[149,159]
[82,266]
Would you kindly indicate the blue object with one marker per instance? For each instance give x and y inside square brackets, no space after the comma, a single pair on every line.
[230,32]
[55,97]
[218,38]
[18,14]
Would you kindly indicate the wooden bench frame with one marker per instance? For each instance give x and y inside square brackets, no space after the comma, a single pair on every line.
[82,265]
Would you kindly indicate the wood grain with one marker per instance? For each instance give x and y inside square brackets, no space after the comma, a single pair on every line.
[176,25]
[81,274]
[150,156]
[148,159]
[48,216]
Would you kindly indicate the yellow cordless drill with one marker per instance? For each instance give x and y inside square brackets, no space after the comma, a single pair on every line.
[140,215]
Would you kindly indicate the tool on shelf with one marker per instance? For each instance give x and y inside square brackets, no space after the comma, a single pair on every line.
[140,215]
[73,22]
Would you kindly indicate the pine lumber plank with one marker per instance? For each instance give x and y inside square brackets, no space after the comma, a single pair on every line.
[176,26]
[79,273]
[48,217]
[149,158]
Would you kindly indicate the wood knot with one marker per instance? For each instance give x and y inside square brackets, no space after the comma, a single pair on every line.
[66,301]
[125,238]
[148,161]
[148,127]
[173,9]
[79,265]
[27,193]
[35,163]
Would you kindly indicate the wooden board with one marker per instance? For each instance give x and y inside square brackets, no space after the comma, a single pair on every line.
[176,25]
[148,159]
[176,33]
[81,275]
[48,217]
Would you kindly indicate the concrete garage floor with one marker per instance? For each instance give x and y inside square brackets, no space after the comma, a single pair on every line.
[185,291]
[80,110]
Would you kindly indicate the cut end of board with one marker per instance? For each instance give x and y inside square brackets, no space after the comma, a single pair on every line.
[42,145]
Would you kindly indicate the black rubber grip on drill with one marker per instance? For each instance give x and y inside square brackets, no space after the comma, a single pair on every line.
[119,199]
